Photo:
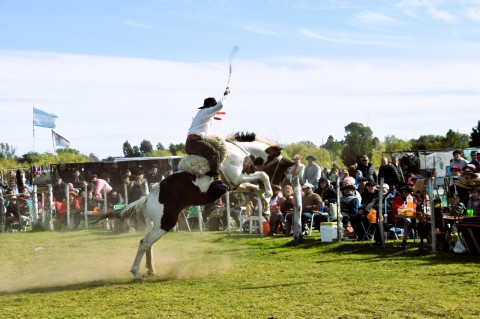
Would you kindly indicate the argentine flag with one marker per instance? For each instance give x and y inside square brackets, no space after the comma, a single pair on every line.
[43,119]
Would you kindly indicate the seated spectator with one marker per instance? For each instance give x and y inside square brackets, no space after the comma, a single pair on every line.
[460,189]
[74,207]
[398,201]
[362,185]
[114,198]
[311,203]
[276,216]
[90,202]
[474,201]
[326,191]
[12,214]
[286,207]
[349,203]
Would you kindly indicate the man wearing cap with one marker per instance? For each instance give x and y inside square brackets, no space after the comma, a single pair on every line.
[311,202]
[154,177]
[312,172]
[201,128]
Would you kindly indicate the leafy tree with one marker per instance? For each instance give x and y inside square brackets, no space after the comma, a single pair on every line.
[334,147]
[427,142]
[160,147]
[455,140]
[393,144]
[358,141]
[127,149]
[136,151]
[475,136]
[7,151]
[145,147]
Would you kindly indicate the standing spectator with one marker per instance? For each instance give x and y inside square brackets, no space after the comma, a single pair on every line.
[389,173]
[78,181]
[125,187]
[334,175]
[312,172]
[154,177]
[398,167]
[99,187]
[137,190]
[59,191]
[297,170]
[458,159]
[367,168]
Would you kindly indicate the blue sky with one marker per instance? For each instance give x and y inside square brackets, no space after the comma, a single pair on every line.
[131,70]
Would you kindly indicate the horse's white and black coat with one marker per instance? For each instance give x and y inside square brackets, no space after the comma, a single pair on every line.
[190,187]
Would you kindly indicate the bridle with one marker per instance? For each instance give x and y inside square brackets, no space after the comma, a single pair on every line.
[272,162]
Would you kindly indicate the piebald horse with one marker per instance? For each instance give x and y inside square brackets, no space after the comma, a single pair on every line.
[190,186]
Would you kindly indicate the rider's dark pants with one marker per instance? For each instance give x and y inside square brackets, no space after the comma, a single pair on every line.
[198,146]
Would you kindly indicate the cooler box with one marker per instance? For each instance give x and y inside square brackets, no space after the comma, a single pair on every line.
[328,232]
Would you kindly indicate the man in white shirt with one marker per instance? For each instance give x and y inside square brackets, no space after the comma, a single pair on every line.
[199,129]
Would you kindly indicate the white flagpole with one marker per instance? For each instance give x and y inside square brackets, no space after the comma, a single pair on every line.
[33,126]
[53,141]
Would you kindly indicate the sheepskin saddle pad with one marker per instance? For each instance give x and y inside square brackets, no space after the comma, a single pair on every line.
[198,165]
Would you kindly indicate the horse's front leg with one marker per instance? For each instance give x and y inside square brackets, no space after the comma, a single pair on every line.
[145,245]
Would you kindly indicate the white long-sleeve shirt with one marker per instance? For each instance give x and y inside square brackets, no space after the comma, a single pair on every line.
[203,120]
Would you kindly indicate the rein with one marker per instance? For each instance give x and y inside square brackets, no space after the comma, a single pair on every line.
[275,160]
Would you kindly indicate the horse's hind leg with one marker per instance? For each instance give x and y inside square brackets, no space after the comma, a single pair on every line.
[149,259]
[145,246]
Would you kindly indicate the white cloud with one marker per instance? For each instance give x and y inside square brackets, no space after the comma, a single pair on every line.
[375,18]
[473,14]
[136,24]
[431,8]
[103,101]
[314,35]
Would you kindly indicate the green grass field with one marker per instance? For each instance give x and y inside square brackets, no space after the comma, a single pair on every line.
[85,274]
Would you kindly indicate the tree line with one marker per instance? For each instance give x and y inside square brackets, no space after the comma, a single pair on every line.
[358,140]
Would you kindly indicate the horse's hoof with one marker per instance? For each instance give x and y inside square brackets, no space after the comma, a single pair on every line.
[138,279]
[150,273]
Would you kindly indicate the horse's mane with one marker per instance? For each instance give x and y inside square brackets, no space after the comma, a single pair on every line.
[249,137]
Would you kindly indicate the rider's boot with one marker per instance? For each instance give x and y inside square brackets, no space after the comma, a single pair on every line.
[217,182]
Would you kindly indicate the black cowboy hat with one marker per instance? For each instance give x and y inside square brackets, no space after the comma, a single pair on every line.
[311,157]
[209,102]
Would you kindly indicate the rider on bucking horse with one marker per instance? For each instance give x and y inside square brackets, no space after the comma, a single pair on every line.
[196,143]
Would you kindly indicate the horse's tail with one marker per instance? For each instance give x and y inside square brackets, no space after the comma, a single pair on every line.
[134,211]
